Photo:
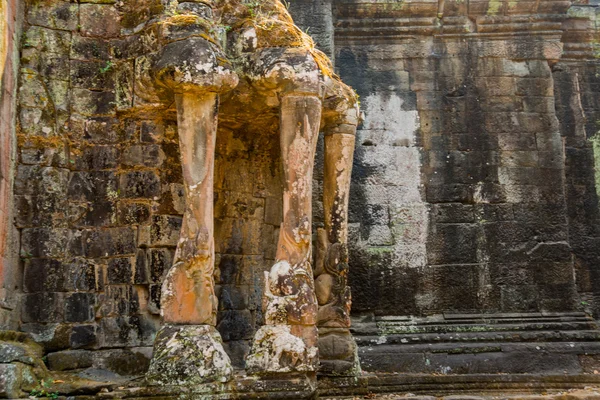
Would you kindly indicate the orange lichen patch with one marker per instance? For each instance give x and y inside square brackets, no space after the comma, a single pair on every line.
[40,142]
[274,27]
[149,111]
[191,299]
[171,135]
[274,32]
[207,26]
[342,90]
[184,19]
[210,39]
[135,12]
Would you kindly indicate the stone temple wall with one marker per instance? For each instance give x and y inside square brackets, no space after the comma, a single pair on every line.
[473,187]
[99,197]
[576,82]
[87,180]
[461,161]
[473,180]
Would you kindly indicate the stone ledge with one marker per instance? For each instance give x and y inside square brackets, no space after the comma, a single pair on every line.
[518,343]
[491,326]
[490,384]
[413,17]
[539,24]
[292,386]
[462,387]
[587,394]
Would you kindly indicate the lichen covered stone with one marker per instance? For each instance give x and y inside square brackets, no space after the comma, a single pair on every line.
[275,350]
[188,355]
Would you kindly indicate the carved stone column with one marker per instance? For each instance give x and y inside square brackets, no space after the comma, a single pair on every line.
[288,340]
[188,349]
[337,349]
[188,292]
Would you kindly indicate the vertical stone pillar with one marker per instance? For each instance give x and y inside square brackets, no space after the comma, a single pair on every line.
[337,349]
[5,146]
[188,295]
[288,340]
[11,15]
[577,108]
[3,36]
[188,349]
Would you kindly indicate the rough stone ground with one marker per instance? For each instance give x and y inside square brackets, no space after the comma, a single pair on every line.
[400,387]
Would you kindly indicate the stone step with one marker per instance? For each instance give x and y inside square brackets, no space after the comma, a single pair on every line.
[478,337]
[465,387]
[585,394]
[592,347]
[400,327]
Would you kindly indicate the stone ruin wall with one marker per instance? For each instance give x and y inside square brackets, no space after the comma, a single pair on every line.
[576,83]
[473,188]
[99,194]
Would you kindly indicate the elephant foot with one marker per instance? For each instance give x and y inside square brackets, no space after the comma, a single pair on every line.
[338,353]
[288,341]
[188,355]
[282,349]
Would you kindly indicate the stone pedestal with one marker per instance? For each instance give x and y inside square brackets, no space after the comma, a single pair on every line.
[276,349]
[338,353]
[188,355]
[288,341]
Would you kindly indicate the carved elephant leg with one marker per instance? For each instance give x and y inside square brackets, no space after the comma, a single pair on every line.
[337,349]
[188,295]
[339,152]
[288,341]
[188,349]
[300,118]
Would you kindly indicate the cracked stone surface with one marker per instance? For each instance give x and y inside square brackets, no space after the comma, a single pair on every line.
[188,355]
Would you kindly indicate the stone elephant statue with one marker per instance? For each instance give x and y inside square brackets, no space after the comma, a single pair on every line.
[244,63]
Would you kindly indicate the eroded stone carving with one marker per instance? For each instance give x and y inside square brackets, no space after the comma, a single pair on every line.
[189,354]
[337,349]
[202,52]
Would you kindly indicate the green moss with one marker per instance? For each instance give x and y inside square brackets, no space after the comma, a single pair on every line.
[396,6]
[494,7]
[380,250]
[44,390]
